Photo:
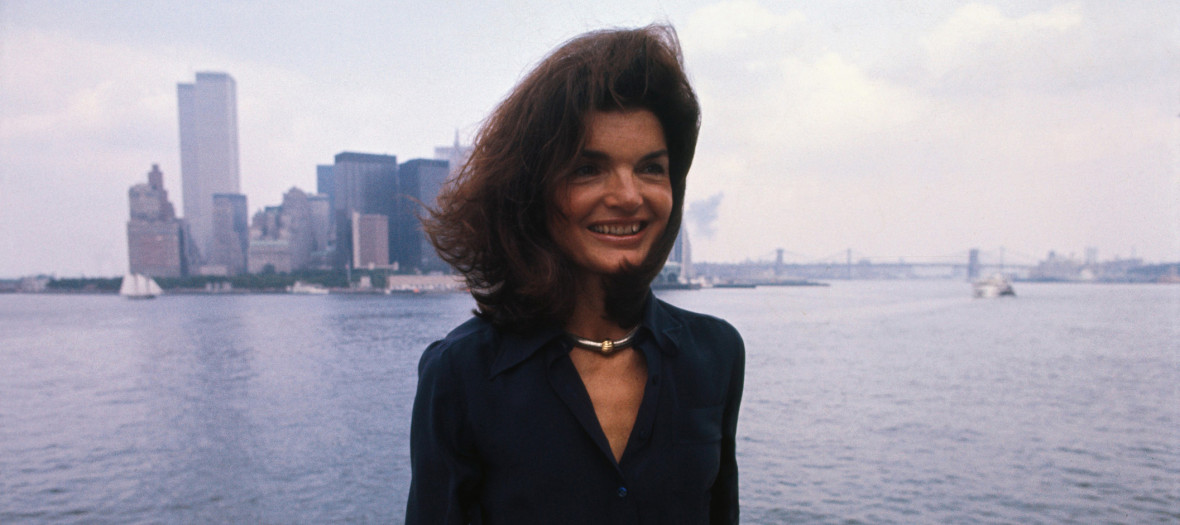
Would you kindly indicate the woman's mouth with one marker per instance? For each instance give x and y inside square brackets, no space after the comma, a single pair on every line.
[617,229]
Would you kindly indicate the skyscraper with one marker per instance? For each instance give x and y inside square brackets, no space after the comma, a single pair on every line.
[682,255]
[208,111]
[364,184]
[425,177]
[157,243]
[456,155]
[324,183]
[231,234]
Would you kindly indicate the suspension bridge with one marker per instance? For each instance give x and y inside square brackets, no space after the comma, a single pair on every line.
[851,264]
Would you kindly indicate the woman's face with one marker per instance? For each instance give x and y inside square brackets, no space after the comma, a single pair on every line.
[616,203]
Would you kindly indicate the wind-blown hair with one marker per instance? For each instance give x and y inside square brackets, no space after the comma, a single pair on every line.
[491,220]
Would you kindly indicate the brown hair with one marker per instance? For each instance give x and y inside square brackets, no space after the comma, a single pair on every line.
[491,223]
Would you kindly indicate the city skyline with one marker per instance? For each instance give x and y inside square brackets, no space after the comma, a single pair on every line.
[903,131]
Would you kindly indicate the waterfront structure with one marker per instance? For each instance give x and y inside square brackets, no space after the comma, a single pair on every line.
[208,118]
[157,241]
[231,236]
[1057,267]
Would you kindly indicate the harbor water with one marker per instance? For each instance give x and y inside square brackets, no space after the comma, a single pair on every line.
[865,402]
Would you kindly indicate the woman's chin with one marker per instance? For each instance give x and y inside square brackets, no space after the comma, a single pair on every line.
[612,267]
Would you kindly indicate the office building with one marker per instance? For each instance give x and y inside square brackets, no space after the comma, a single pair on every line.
[456,154]
[157,241]
[269,251]
[370,240]
[428,176]
[324,182]
[231,236]
[282,237]
[323,236]
[682,255]
[208,150]
[364,184]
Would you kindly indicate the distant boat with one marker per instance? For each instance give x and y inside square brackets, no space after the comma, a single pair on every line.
[301,287]
[139,286]
[674,285]
[995,286]
[732,284]
[789,282]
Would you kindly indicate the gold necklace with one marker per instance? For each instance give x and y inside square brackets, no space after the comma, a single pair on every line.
[607,346]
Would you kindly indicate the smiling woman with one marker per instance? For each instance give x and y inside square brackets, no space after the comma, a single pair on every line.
[615,206]
[574,395]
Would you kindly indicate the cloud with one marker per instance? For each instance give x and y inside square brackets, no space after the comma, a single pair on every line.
[980,28]
[737,23]
[79,123]
[111,94]
[980,50]
[818,149]
[703,214]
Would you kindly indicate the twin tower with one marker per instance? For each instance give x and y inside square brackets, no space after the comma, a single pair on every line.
[159,243]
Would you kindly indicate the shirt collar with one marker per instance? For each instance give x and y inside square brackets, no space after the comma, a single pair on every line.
[665,328]
[515,348]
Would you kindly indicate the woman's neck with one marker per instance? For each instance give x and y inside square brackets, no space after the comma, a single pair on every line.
[589,318]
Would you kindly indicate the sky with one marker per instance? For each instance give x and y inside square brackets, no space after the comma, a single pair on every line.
[911,130]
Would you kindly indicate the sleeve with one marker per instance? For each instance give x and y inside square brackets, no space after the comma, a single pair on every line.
[444,467]
[723,507]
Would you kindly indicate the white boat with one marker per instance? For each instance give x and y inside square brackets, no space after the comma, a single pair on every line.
[995,286]
[139,286]
[301,287]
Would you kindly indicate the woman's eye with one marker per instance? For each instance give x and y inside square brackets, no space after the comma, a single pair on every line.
[654,169]
[586,170]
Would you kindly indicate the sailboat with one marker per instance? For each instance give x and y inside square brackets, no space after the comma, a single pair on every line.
[139,286]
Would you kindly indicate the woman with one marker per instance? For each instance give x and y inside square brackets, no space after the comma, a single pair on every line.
[574,395]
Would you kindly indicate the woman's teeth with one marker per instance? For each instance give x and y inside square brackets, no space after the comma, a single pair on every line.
[617,229]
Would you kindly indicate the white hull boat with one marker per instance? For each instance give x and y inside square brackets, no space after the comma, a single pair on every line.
[995,286]
[139,286]
[301,287]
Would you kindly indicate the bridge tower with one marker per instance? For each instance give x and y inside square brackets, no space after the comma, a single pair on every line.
[973,264]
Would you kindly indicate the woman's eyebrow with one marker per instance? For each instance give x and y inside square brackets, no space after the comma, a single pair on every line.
[595,154]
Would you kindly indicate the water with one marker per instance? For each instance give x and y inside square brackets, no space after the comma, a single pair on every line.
[866,402]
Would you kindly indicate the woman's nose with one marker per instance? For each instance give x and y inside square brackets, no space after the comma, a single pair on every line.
[624,190]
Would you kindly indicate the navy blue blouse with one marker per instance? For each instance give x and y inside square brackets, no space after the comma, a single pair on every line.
[504,431]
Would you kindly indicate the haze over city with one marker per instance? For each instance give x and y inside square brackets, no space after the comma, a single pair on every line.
[898,129]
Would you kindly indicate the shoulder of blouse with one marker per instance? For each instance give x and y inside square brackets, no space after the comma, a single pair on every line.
[692,329]
[466,345]
[479,347]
